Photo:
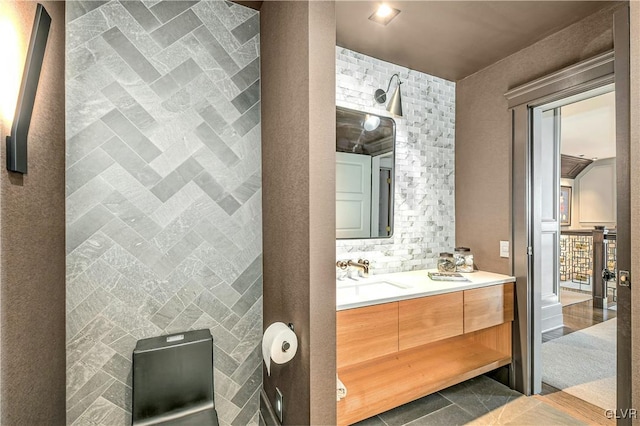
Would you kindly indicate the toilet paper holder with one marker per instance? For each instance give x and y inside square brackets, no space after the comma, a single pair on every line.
[286,345]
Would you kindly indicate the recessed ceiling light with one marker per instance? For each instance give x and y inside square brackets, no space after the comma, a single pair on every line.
[384,11]
[384,14]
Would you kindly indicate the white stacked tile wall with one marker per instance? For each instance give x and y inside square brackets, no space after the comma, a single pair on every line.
[424,220]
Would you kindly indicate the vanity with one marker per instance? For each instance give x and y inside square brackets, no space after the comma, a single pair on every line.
[402,336]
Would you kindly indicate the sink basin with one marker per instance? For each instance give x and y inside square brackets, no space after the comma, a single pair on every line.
[370,288]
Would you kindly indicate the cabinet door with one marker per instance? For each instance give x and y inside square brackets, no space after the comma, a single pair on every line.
[429,319]
[487,306]
[366,333]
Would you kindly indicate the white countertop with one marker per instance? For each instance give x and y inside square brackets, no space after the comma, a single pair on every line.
[387,288]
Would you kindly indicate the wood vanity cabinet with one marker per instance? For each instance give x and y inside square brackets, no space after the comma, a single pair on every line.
[487,306]
[394,353]
[429,319]
[367,333]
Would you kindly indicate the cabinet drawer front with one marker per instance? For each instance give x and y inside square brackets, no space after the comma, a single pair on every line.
[366,333]
[487,306]
[429,319]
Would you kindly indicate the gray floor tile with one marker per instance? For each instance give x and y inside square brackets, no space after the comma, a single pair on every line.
[480,396]
[371,421]
[414,410]
[451,415]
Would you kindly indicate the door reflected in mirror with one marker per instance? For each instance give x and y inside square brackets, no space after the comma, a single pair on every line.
[365,164]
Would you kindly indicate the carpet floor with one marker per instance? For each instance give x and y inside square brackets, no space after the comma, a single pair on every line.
[583,364]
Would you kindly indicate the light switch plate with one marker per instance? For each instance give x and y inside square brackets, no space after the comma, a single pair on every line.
[504,249]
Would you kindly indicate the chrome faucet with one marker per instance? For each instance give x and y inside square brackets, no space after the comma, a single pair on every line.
[362,266]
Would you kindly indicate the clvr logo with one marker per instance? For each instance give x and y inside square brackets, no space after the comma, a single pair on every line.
[623,413]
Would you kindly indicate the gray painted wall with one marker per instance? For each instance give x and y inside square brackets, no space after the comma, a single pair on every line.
[424,219]
[163,196]
[483,194]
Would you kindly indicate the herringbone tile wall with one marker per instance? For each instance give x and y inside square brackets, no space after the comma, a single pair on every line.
[163,196]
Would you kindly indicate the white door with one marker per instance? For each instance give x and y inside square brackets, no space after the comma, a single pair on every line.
[353,195]
[545,236]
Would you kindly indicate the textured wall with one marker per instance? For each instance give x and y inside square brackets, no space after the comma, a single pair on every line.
[483,133]
[163,196]
[424,220]
[298,42]
[32,369]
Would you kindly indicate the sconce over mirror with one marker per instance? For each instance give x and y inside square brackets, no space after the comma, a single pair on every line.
[365,165]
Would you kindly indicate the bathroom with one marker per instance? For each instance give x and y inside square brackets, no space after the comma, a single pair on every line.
[197,190]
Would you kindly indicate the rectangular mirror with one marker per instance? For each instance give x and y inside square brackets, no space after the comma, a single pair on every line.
[365,164]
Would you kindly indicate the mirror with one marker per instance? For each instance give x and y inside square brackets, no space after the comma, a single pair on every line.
[365,164]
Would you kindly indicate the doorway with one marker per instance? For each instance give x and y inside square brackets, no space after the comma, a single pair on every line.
[573,221]
[590,74]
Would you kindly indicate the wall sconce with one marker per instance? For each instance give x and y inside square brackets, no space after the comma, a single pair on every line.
[395,104]
[17,142]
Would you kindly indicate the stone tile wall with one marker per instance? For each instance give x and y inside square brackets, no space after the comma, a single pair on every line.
[424,221]
[163,196]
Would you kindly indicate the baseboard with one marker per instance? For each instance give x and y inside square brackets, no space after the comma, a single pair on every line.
[551,317]
[267,412]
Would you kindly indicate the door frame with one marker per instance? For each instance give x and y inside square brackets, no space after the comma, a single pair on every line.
[590,74]
[586,75]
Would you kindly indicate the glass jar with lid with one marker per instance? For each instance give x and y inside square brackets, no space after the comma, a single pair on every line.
[463,259]
[446,263]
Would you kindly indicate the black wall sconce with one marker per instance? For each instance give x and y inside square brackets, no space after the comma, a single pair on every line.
[17,141]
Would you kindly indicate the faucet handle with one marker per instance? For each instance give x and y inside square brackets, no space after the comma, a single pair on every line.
[342,264]
[363,261]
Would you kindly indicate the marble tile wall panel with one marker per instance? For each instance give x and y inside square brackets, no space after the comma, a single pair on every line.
[163,196]
[425,159]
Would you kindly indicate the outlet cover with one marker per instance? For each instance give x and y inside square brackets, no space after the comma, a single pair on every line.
[504,249]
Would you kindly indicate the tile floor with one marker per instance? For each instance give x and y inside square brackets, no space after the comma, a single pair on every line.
[479,401]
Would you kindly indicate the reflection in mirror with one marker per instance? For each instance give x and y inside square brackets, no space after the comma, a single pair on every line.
[365,162]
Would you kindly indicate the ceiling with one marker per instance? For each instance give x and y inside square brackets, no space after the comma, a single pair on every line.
[588,127]
[453,39]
